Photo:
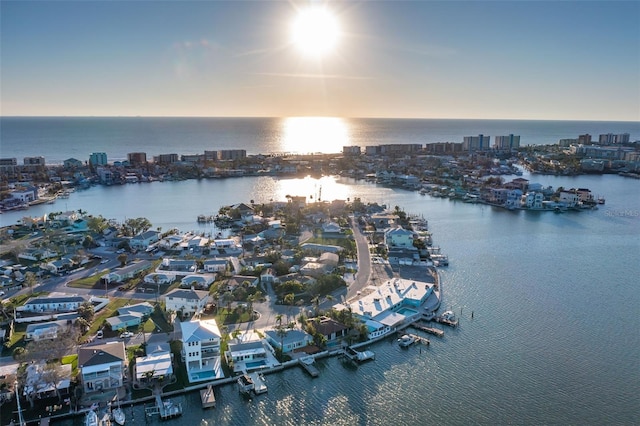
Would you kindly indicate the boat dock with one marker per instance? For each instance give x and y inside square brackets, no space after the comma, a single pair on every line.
[259,384]
[358,356]
[307,364]
[430,330]
[420,339]
[207,397]
[445,321]
[166,409]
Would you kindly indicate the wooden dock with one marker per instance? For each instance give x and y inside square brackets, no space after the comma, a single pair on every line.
[309,367]
[207,397]
[430,330]
[450,323]
[420,339]
[166,409]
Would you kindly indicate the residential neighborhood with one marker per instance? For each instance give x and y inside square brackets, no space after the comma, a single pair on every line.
[157,311]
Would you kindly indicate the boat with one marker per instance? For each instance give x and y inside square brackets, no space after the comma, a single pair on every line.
[601,200]
[91,419]
[118,416]
[245,384]
[448,315]
[406,341]
[366,355]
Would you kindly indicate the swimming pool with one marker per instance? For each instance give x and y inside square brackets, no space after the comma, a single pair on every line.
[407,312]
[255,364]
[203,375]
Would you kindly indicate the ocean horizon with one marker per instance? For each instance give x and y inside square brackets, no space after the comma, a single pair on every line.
[60,138]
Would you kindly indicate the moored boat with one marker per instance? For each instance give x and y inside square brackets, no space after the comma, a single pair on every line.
[91,418]
[118,416]
[406,340]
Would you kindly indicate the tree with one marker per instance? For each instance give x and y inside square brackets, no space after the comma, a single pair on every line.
[97,224]
[86,311]
[135,226]
[30,280]
[52,374]
[122,258]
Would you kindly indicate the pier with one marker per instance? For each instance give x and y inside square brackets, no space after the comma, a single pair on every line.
[166,409]
[307,364]
[420,339]
[430,330]
[207,397]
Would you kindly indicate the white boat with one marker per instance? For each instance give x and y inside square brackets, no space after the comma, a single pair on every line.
[406,340]
[91,419]
[245,384]
[118,416]
[259,384]
[448,315]
[366,355]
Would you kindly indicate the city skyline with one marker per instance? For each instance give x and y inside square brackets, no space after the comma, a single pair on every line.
[484,60]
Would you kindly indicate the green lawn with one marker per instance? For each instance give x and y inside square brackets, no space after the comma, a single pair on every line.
[91,281]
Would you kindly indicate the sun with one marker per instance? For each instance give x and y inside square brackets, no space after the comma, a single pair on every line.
[315,31]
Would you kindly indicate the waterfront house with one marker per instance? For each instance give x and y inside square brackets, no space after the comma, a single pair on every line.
[569,198]
[188,302]
[157,364]
[127,272]
[201,349]
[250,352]
[399,237]
[514,198]
[102,366]
[40,383]
[329,328]
[392,303]
[533,200]
[288,340]
[384,220]
[143,240]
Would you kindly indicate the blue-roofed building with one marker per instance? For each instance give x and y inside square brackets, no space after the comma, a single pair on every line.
[290,341]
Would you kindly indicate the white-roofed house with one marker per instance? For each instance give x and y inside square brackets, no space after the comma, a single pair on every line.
[157,364]
[215,265]
[197,281]
[201,350]
[187,301]
[250,352]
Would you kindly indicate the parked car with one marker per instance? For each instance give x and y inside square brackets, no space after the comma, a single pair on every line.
[126,334]
[99,334]
[103,261]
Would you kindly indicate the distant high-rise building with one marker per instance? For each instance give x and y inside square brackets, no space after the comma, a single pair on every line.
[585,139]
[622,138]
[232,154]
[98,159]
[476,143]
[166,158]
[606,139]
[507,142]
[137,158]
[210,155]
[351,150]
[34,161]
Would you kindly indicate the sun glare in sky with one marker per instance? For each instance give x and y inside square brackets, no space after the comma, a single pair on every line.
[315,31]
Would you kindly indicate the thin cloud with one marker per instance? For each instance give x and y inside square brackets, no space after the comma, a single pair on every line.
[319,76]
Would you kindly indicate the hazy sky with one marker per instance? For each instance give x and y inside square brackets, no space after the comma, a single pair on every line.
[427,59]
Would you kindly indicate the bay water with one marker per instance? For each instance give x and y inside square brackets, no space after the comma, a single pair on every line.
[555,333]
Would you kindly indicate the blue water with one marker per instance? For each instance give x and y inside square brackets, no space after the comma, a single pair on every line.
[554,338]
[207,375]
[60,138]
